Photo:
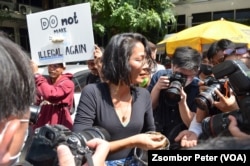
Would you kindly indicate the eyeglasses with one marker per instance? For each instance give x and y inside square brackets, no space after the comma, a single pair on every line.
[241,51]
[228,51]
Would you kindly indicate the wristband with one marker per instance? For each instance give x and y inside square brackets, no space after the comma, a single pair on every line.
[195,127]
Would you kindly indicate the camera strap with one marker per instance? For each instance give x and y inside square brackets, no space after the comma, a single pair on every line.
[88,157]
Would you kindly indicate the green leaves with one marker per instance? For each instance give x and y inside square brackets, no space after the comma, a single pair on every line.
[115,16]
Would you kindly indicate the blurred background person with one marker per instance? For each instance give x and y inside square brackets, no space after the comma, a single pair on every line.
[98,53]
[17,93]
[153,48]
[217,53]
[55,95]
[94,66]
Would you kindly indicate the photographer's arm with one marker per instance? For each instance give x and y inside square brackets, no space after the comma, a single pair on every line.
[185,113]
[161,84]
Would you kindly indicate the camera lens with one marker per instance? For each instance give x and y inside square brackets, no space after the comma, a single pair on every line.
[216,125]
[204,101]
[173,92]
[34,112]
[94,132]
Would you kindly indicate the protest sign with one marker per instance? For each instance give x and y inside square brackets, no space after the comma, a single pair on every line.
[61,35]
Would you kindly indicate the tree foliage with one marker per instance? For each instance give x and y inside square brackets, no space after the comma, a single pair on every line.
[115,16]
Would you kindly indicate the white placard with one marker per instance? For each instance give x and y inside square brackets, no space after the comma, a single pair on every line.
[61,35]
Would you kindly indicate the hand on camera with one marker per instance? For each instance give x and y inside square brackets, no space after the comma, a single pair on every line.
[183,96]
[187,139]
[234,129]
[162,83]
[101,147]
[226,104]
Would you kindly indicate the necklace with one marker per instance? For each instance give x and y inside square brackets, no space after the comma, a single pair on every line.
[123,108]
[125,113]
[121,101]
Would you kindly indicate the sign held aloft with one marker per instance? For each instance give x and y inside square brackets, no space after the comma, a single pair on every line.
[61,35]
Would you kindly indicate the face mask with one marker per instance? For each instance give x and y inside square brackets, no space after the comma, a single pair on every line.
[206,69]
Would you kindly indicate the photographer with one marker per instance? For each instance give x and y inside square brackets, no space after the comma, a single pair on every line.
[171,117]
[218,52]
[101,151]
[17,92]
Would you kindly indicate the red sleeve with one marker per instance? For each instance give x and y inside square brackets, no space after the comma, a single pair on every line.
[62,91]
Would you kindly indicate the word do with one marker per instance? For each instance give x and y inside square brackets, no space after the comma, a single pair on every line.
[52,21]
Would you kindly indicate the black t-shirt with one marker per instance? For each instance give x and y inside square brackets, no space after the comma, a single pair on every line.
[96,109]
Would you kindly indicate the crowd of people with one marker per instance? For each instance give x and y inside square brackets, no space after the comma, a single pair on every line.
[127,93]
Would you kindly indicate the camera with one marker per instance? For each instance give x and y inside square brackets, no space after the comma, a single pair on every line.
[238,76]
[42,150]
[34,112]
[177,81]
[207,97]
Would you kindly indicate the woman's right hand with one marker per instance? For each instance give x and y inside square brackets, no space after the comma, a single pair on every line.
[150,141]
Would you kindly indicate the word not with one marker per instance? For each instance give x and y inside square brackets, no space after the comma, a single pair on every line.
[52,21]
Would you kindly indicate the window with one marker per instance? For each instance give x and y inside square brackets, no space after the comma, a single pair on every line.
[227,15]
[9,31]
[24,39]
[201,18]
[181,24]
[242,14]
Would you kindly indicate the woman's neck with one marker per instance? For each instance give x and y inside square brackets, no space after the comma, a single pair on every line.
[120,91]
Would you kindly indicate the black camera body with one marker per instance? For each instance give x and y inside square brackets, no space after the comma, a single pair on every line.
[238,76]
[206,98]
[177,81]
[42,150]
